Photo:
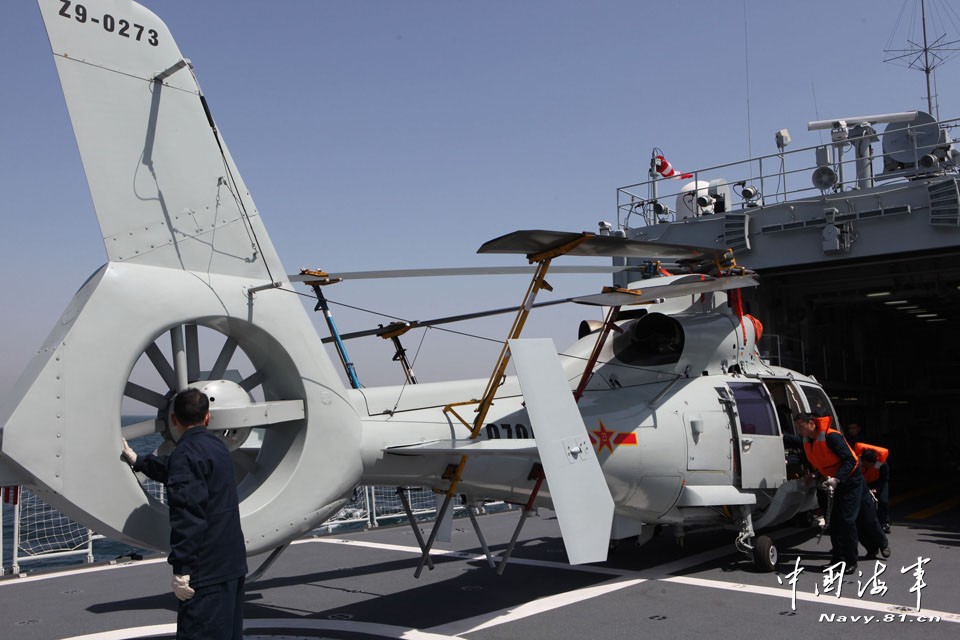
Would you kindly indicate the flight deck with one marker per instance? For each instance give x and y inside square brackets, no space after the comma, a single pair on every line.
[361,585]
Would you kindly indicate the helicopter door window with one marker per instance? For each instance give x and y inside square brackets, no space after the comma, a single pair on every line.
[819,403]
[755,409]
[786,400]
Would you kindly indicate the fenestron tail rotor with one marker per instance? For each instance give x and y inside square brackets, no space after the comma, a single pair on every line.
[231,382]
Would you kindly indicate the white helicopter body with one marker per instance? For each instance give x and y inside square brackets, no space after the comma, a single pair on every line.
[680,422]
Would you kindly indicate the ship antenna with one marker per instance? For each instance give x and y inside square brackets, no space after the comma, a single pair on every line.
[746,76]
[816,107]
[928,57]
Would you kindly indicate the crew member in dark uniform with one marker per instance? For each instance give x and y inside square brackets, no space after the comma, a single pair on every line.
[877,474]
[206,543]
[853,506]
[853,433]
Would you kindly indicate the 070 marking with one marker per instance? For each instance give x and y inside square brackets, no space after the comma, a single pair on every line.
[513,431]
[109,23]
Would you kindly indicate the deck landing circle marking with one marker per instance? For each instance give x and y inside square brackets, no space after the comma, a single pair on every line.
[284,627]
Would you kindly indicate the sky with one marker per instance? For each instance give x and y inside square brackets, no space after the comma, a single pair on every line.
[389,135]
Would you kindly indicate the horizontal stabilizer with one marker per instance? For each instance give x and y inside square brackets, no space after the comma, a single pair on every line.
[466,448]
[577,487]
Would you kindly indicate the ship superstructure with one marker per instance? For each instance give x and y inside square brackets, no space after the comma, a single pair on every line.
[857,241]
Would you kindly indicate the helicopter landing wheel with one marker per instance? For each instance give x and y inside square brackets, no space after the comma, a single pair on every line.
[765,554]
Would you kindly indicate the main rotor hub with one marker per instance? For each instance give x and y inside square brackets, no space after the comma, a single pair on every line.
[223,394]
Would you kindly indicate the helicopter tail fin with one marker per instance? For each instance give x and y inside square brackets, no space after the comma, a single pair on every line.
[577,488]
[165,189]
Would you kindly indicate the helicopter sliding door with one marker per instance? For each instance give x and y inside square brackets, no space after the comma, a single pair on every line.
[788,402]
[760,444]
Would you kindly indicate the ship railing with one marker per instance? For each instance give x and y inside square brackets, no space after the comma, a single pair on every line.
[778,178]
[783,351]
[39,532]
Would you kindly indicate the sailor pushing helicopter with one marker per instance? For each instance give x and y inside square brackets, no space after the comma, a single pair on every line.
[854,508]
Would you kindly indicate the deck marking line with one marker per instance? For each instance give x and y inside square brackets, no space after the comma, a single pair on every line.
[854,603]
[368,628]
[73,572]
[703,557]
[913,494]
[661,574]
[656,571]
[131,632]
[935,509]
[532,608]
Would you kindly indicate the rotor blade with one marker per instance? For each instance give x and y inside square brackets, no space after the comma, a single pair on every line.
[260,414]
[223,360]
[252,381]
[535,241]
[457,271]
[144,395]
[242,460]
[429,323]
[140,429]
[688,285]
[162,366]
[193,353]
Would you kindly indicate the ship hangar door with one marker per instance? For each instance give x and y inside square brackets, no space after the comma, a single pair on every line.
[760,445]
[879,334]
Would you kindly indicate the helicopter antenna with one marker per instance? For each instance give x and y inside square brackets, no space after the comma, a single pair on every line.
[931,54]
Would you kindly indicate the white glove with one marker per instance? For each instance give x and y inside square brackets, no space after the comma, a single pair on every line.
[832,482]
[128,454]
[181,587]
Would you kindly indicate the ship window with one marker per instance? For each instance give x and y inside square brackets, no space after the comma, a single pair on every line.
[652,340]
[756,412]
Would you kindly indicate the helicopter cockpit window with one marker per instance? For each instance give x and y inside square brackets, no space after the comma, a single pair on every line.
[756,412]
[654,339]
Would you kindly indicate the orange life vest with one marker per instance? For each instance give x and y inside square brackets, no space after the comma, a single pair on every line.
[872,473]
[819,454]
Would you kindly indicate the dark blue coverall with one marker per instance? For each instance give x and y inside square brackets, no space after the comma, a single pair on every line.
[206,541]
[854,509]
[882,487]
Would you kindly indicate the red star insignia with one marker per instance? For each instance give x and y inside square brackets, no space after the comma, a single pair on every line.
[604,438]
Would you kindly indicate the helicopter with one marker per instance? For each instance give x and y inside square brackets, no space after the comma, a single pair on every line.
[663,414]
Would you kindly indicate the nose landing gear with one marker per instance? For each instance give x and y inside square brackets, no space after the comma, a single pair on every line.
[760,549]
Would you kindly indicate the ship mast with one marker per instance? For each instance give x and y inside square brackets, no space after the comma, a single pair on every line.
[925,58]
